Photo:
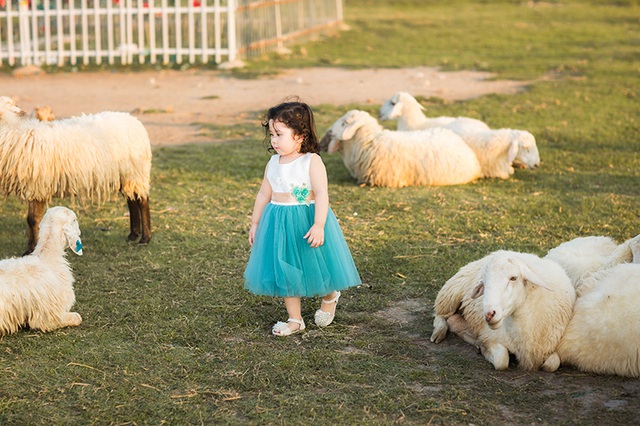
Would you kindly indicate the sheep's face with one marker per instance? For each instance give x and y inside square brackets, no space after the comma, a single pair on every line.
[528,155]
[502,289]
[9,109]
[67,221]
[391,109]
[343,129]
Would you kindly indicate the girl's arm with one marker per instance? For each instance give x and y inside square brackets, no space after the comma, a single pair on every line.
[262,199]
[318,174]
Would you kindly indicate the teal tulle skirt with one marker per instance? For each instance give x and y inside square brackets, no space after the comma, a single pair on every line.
[283,264]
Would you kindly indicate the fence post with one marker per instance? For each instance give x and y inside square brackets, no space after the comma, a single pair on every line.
[25,37]
[231,30]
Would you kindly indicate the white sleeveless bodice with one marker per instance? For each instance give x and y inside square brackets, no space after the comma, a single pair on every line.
[292,178]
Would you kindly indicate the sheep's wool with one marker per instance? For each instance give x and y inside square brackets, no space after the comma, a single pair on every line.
[91,156]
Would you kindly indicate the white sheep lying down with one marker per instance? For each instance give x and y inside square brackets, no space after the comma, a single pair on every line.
[497,150]
[408,111]
[91,157]
[585,255]
[387,158]
[525,307]
[37,290]
[604,334]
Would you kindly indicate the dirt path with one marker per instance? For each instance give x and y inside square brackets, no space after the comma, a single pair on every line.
[171,103]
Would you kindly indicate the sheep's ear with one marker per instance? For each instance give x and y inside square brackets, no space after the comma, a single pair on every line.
[533,278]
[73,239]
[478,291]
[350,130]
[333,146]
[513,150]
[635,250]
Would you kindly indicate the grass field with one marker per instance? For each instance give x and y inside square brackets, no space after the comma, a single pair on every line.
[170,336]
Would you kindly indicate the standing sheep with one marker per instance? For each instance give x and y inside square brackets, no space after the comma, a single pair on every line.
[37,290]
[387,158]
[91,157]
[604,334]
[526,305]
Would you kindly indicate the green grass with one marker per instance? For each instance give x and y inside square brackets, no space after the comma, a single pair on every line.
[170,336]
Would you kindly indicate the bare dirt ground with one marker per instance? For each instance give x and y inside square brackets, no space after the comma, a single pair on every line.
[171,103]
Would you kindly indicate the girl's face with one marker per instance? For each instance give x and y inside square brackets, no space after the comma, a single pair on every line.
[283,140]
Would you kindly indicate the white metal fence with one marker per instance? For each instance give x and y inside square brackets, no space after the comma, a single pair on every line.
[70,32]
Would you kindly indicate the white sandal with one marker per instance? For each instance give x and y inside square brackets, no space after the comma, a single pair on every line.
[323,318]
[282,328]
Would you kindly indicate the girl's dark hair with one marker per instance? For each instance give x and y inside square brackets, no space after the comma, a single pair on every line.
[299,118]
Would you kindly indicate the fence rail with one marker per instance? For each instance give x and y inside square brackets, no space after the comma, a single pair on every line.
[70,32]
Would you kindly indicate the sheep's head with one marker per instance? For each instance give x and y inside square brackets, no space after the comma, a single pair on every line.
[393,107]
[503,286]
[9,109]
[66,220]
[44,113]
[527,155]
[344,129]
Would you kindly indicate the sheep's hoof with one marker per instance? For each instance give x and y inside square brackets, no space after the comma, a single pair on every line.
[73,319]
[552,363]
[440,329]
[145,240]
[132,236]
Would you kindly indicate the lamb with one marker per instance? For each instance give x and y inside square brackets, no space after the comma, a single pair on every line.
[408,111]
[604,334]
[585,255]
[91,156]
[387,158]
[526,305]
[37,290]
[496,149]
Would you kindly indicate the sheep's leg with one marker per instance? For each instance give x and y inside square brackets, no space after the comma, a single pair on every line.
[36,209]
[459,325]
[67,319]
[145,217]
[134,219]
[496,354]
[72,319]
[440,328]
[552,363]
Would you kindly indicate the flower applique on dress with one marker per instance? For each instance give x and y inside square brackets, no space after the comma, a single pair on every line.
[301,193]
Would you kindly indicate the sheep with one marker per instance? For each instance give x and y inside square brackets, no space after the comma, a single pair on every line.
[496,149]
[387,158]
[408,111]
[603,335]
[585,255]
[525,307]
[90,156]
[37,290]
[44,113]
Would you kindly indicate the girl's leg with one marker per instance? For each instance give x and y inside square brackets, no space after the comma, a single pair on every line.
[294,310]
[330,306]
[324,316]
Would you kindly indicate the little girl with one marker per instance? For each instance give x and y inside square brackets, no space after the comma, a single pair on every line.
[297,246]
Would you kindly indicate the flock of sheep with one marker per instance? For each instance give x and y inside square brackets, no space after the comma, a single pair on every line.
[578,306]
[574,306]
[426,151]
